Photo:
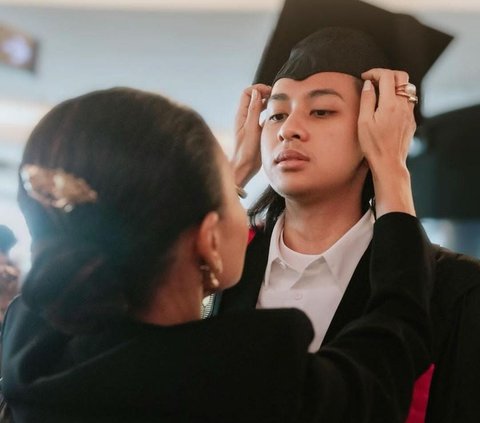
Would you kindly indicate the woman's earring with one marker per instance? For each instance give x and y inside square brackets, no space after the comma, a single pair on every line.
[218,266]
[210,281]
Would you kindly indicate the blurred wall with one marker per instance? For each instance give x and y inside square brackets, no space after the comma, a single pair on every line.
[201,58]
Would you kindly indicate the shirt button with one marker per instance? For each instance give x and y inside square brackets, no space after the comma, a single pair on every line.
[298,296]
[282,265]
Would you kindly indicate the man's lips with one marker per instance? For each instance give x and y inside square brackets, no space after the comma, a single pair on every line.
[290,155]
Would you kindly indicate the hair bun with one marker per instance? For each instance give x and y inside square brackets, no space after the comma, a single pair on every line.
[71,284]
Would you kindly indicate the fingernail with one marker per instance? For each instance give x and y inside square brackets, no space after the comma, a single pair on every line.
[367,86]
[254,94]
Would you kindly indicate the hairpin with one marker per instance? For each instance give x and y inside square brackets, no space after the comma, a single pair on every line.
[56,188]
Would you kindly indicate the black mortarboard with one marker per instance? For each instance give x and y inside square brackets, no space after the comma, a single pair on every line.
[406,43]
[446,175]
[333,49]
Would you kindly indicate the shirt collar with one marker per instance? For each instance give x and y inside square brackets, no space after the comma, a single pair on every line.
[342,257]
[274,252]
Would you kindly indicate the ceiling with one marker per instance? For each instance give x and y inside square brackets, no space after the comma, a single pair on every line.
[244,5]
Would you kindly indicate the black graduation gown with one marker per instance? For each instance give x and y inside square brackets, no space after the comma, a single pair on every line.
[243,367]
[455,308]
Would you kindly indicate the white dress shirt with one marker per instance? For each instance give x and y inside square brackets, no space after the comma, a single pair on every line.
[313,283]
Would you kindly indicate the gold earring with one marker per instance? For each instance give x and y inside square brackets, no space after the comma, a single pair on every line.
[210,281]
[218,266]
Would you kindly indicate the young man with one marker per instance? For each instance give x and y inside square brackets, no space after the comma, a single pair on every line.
[311,249]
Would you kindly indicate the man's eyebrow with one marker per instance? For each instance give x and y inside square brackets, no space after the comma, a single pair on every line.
[323,92]
[311,94]
[279,97]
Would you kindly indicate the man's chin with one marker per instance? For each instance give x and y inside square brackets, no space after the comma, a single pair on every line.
[292,191]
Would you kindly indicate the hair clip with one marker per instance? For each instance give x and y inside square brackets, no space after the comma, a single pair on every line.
[56,188]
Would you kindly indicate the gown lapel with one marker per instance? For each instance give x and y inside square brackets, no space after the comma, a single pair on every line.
[354,300]
[245,293]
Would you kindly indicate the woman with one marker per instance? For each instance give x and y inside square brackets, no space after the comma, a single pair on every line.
[134,219]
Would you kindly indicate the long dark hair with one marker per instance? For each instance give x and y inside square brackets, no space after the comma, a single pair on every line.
[153,165]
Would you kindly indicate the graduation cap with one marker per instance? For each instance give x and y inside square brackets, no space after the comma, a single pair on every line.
[446,174]
[379,39]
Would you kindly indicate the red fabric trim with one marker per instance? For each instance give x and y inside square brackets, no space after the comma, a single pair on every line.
[251,234]
[418,406]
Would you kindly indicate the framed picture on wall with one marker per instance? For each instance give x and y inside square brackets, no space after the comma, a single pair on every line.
[17,49]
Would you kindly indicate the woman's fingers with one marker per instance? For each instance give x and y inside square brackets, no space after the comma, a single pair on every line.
[255,107]
[251,105]
[387,82]
[246,158]
[385,128]
[368,102]
[384,79]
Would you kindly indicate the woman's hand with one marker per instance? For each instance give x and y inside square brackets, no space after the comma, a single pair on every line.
[246,160]
[385,132]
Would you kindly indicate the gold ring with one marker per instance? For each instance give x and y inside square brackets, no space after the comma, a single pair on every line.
[241,192]
[407,87]
[411,98]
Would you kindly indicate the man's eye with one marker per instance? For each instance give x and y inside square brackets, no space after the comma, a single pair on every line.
[277,117]
[321,113]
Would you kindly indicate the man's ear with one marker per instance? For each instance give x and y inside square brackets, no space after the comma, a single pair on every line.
[208,239]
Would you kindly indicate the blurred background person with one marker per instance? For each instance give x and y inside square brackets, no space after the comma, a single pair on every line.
[9,272]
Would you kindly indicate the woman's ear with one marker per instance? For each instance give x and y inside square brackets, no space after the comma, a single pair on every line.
[208,242]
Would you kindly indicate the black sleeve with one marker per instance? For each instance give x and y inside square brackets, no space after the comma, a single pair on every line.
[467,404]
[366,374]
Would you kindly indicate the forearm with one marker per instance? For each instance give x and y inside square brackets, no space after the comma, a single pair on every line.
[393,192]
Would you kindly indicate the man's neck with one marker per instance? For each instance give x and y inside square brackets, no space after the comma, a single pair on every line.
[312,228]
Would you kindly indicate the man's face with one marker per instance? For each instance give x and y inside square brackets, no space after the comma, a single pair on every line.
[309,140]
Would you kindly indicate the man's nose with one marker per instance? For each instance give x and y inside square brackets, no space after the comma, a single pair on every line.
[293,129]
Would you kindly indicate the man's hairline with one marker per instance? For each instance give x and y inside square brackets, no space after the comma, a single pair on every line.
[320,91]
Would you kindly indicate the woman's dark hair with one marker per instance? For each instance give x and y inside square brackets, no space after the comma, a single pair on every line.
[153,165]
